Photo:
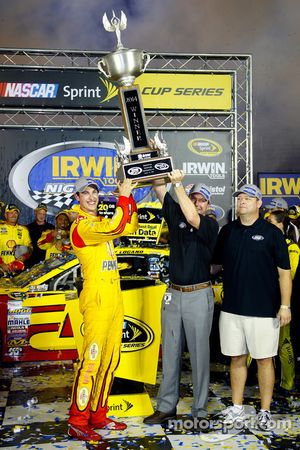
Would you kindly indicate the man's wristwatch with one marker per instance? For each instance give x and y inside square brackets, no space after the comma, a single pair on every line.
[177,184]
[285,307]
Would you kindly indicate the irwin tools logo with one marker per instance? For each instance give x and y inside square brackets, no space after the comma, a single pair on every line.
[136,335]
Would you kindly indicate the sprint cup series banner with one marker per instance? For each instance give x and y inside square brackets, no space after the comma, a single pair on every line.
[43,166]
[88,89]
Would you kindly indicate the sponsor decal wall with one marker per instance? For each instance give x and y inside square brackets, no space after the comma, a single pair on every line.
[285,185]
[43,166]
[89,89]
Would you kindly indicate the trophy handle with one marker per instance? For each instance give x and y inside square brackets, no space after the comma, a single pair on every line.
[146,59]
[103,68]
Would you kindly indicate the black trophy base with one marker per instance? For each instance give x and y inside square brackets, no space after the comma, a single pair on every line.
[148,169]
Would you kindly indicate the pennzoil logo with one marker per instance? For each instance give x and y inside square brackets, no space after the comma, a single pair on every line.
[136,335]
[205,147]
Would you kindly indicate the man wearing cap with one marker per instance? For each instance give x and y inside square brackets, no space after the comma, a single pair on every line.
[36,228]
[280,204]
[57,240]
[13,236]
[188,306]
[294,216]
[100,304]
[257,289]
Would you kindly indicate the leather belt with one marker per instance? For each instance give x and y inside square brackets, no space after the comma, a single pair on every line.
[191,287]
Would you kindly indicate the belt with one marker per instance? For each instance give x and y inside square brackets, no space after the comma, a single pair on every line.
[191,287]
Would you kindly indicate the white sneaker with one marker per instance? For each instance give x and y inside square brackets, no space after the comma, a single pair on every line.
[264,420]
[232,415]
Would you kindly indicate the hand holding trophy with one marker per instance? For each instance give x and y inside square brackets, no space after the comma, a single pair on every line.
[137,157]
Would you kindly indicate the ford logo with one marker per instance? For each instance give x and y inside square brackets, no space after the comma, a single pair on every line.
[134,171]
[161,166]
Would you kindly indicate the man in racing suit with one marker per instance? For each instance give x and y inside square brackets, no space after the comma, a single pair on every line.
[100,304]
[15,242]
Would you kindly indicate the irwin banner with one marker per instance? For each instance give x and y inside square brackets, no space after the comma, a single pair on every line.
[286,185]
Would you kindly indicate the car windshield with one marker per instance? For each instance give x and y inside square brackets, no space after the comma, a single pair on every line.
[40,269]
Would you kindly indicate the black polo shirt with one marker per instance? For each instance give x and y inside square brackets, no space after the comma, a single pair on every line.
[35,232]
[250,256]
[191,250]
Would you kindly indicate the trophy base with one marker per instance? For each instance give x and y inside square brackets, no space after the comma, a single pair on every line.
[148,169]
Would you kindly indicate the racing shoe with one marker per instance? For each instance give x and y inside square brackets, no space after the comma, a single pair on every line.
[264,420]
[83,433]
[233,415]
[107,424]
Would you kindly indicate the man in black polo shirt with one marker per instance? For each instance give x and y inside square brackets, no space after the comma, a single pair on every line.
[36,229]
[187,309]
[257,290]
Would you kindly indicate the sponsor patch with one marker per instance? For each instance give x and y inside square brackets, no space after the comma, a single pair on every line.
[94,350]
[83,397]
[109,265]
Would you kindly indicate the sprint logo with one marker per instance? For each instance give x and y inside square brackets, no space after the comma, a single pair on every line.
[111,90]
[124,406]
[136,335]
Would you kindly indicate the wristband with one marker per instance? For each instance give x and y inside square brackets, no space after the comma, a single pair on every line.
[177,184]
[285,307]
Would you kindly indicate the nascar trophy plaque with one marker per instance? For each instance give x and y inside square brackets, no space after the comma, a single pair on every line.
[139,158]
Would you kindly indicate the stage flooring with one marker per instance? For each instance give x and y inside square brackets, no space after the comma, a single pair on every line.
[35,398]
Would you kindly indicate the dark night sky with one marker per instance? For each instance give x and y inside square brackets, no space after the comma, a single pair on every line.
[267,29]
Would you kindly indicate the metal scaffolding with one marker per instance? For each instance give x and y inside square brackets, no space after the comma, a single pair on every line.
[238,120]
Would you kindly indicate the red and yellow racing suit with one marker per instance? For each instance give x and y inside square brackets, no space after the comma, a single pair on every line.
[52,245]
[101,305]
[10,237]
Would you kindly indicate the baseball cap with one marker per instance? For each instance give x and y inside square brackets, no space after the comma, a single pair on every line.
[83,182]
[11,207]
[294,212]
[202,189]
[41,206]
[63,211]
[277,202]
[250,189]
[211,211]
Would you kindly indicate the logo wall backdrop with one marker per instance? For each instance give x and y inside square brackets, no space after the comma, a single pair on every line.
[89,89]
[43,166]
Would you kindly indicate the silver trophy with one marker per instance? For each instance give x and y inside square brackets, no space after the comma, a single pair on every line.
[139,157]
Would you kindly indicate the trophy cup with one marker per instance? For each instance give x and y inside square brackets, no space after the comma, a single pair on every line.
[138,158]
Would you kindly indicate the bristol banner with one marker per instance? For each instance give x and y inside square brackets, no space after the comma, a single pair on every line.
[43,166]
[89,89]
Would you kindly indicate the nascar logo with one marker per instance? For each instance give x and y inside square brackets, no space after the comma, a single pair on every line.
[31,90]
